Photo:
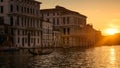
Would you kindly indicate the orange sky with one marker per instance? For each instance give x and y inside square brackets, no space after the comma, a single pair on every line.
[102,14]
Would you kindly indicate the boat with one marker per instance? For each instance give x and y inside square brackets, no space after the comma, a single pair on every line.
[40,51]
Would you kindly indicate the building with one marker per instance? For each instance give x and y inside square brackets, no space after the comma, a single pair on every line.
[1,26]
[66,21]
[23,16]
[57,38]
[47,35]
[87,36]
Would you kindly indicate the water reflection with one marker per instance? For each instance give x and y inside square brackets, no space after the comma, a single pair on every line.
[112,56]
[99,57]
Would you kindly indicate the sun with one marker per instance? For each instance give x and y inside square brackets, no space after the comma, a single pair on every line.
[111,31]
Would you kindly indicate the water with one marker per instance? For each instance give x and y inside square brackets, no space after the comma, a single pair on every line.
[98,57]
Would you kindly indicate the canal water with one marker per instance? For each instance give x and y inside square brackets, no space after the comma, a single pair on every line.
[97,57]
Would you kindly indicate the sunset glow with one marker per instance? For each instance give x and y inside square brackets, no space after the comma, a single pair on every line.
[111,31]
[100,13]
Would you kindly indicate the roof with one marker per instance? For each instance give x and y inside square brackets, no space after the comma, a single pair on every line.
[38,2]
[62,10]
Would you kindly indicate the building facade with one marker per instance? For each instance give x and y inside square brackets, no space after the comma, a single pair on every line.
[47,35]
[57,38]
[23,16]
[66,21]
[87,36]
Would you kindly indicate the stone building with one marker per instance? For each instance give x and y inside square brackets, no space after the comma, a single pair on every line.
[66,21]
[23,16]
[87,36]
[57,38]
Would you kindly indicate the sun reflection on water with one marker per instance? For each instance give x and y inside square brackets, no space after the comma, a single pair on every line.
[112,56]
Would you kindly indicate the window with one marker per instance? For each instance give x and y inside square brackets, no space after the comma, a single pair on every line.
[68,20]
[11,8]
[28,22]
[22,21]
[18,39]
[18,32]
[17,21]
[1,0]
[53,21]
[63,20]
[23,41]
[38,23]
[12,31]
[1,9]
[68,31]
[40,34]
[23,32]
[31,40]
[25,21]
[31,22]
[22,9]
[17,8]
[38,40]
[31,11]
[64,31]
[57,21]
[1,20]
[11,21]
[27,10]
[36,11]
[34,41]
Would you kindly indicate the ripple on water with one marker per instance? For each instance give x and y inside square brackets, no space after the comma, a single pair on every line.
[99,57]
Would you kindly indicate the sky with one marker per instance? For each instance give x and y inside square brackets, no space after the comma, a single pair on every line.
[103,14]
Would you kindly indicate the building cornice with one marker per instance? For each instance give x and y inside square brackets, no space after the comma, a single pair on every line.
[62,10]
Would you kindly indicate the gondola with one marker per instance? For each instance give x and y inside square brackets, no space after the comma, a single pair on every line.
[40,51]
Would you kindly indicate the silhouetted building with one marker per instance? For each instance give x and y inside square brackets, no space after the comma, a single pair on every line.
[87,36]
